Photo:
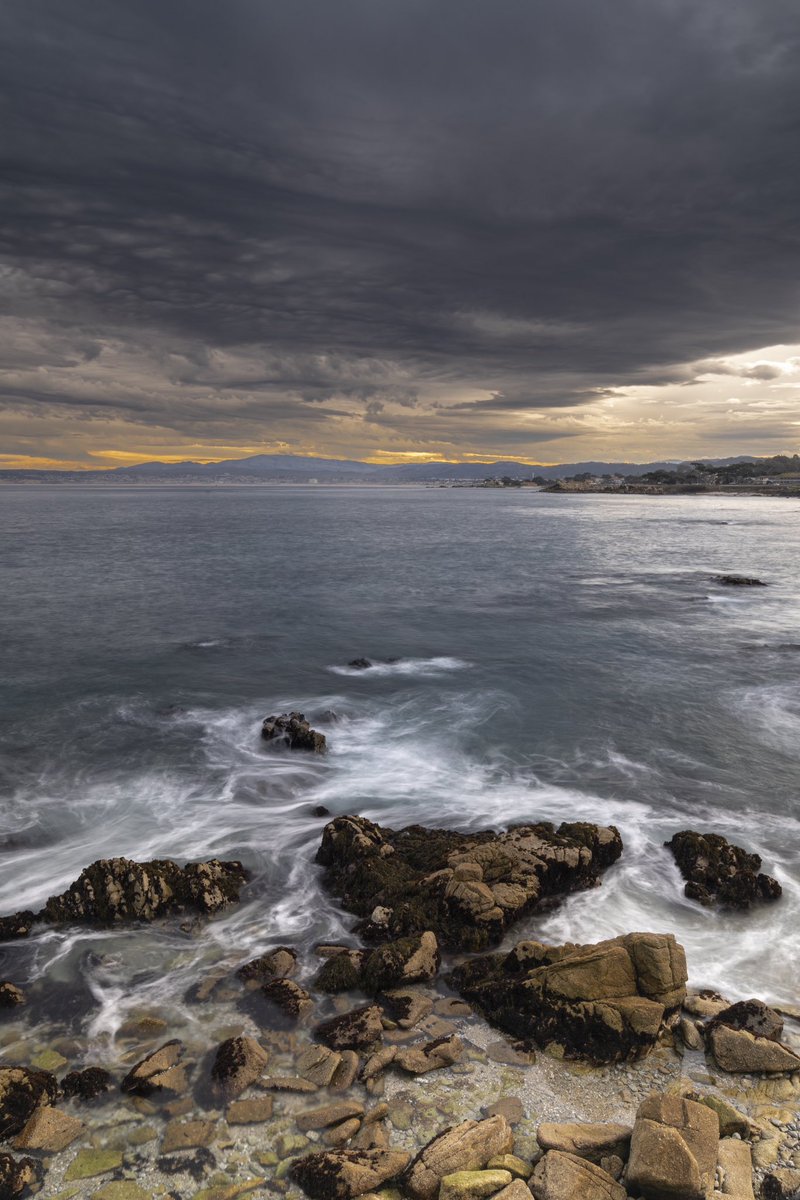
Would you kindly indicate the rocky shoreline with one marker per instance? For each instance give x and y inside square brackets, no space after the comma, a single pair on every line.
[426,1061]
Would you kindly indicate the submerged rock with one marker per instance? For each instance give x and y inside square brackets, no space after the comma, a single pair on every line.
[604,1002]
[277,963]
[717,872]
[16,1175]
[464,888]
[50,1130]
[739,581]
[344,1174]
[562,1176]
[294,730]
[292,1000]
[10,995]
[156,1072]
[352,1030]
[239,1062]
[360,664]
[22,1092]
[87,1084]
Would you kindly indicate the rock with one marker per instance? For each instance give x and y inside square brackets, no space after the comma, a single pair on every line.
[560,1176]
[753,1015]
[338,1135]
[345,1074]
[378,1062]
[408,960]
[520,1168]
[319,1064]
[18,925]
[88,1163]
[730,1119]
[613,1165]
[739,581]
[673,1149]
[465,1147]
[352,1030]
[738,1051]
[328,1114]
[187,1135]
[516,1190]
[341,972]
[717,872]
[509,1107]
[736,1162]
[432,1056]
[249,1112]
[87,1084]
[605,1002]
[464,888]
[585,1140]
[158,1071]
[704,1003]
[781,1184]
[294,730]
[49,1129]
[22,1092]
[473,1185]
[276,963]
[16,1175]
[690,1035]
[360,664]
[10,995]
[287,1083]
[292,999]
[344,1174]
[239,1062]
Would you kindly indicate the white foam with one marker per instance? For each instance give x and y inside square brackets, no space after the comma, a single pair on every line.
[405,666]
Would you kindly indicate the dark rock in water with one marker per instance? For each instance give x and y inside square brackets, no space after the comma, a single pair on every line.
[341,972]
[407,960]
[159,1071]
[17,1174]
[740,581]
[754,1016]
[17,926]
[293,729]
[289,997]
[195,1163]
[239,1061]
[87,1084]
[319,810]
[352,1030]
[717,872]
[465,888]
[360,664]
[604,1003]
[274,964]
[10,995]
[22,1091]
[345,1174]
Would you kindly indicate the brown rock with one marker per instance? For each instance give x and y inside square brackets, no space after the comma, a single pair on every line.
[738,1051]
[338,1135]
[673,1149]
[22,1092]
[328,1114]
[319,1064]
[509,1107]
[782,1183]
[250,1112]
[288,1083]
[345,1074]
[186,1135]
[353,1030]
[560,1176]
[736,1161]
[465,1147]
[158,1071]
[344,1174]
[49,1129]
[16,1175]
[293,730]
[432,1056]
[292,999]
[590,1141]
[10,995]
[516,1190]
[406,1007]
[276,963]
[239,1062]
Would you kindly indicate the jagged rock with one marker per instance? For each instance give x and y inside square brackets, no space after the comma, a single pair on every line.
[736,1162]
[473,1185]
[293,729]
[753,1015]
[18,925]
[740,581]
[717,872]
[328,1114]
[22,1092]
[465,888]
[276,963]
[239,1062]
[465,1147]
[288,1083]
[318,1064]
[782,1183]
[352,1030]
[49,1129]
[292,999]
[673,1149]
[86,1084]
[10,995]
[432,1056]
[159,1071]
[16,1175]
[560,1176]
[360,664]
[590,1141]
[344,1174]
[738,1051]
[408,960]
[604,1002]
[378,1062]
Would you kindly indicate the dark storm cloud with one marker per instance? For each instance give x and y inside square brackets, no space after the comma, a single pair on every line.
[371,197]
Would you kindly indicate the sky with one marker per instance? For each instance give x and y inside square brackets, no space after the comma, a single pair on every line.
[398,230]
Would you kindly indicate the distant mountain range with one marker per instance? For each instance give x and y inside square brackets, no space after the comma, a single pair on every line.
[288,468]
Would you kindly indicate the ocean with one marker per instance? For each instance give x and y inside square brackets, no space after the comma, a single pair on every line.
[534,657]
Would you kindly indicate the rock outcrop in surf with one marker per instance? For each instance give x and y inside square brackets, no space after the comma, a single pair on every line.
[465,888]
[719,873]
[294,731]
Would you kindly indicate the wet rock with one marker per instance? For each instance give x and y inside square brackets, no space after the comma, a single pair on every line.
[432,1056]
[406,1008]
[674,1149]
[318,1064]
[360,664]
[294,730]
[250,1112]
[341,972]
[378,1062]
[288,1083]
[340,1134]
[188,1135]
[344,1174]
[10,995]
[353,1030]
[717,872]
[17,1174]
[736,1164]
[739,581]
[590,1141]
[22,1092]
[239,1061]
[345,1074]
[289,997]
[465,1147]
[319,810]
[781,1184]
[704,1003]
[509,1107]
[328,1114]
[49,1129]
[408,960]
[275,964]
[466,889]
[730,1119]
[738,1051]
[473,1185]
[159,1071]
[16,926]
[605,1002]
[87,1084]
[560,1176]
[88,1163]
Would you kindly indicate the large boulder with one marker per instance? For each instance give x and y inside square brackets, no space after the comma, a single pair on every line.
[22,1092]
[717,872]
[466,1147]
[115,890]
[604,1003]
[465,888]
[561,1176]
[745,1037]
[735,1161]
[344,1174]
[674,1149]
[294,731]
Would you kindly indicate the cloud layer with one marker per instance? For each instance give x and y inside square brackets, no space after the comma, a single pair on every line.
[396,226]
